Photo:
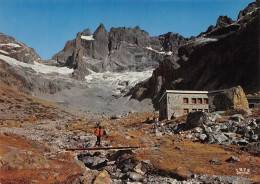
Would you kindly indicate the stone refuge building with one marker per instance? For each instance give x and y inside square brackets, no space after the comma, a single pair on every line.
[175,103]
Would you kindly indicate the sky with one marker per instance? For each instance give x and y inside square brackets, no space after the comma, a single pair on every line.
[46,25]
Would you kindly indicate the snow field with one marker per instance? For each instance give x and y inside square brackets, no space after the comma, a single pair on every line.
[38,67]
[165,53]
[117,81]
[10,45]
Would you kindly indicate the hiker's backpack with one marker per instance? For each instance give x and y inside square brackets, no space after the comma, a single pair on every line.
[104,132]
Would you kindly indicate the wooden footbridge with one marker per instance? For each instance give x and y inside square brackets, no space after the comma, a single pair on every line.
[103,148]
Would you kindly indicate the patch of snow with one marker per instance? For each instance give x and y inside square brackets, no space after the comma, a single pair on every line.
[150,48]
[203,39]
[38,67]
[117,81]
[10,45]
[169,53]
[213,38]
[41,68]
[4,52]
[87,37]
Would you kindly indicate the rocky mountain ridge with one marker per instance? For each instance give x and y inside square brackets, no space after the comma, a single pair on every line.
[224,56]
[17,50]
[120,49]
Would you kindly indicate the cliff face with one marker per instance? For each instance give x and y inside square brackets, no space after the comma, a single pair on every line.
[10,48]
[120,49]
[10,77]
[224,56]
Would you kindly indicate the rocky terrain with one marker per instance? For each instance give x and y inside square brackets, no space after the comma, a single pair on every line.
[216,129]
[165,155]
[224,56]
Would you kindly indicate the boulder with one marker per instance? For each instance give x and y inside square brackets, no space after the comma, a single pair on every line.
[138,169]
[223,127]
[232,128]
[233,98]
[238,98]
[202,137]
[242,142]
[102,177]
[99,162]
[127,165]
[195,119]
[234,140]
[254,138]
[189,136]
[157,133]
[95,161]
[215,116]
[207,129]
[237,117]
[178,148]
[216,128]
[88,160]
[230,134]
[233,159]
[221,138]
[253,124]
[210,138]
[197,130]
[133,176]
[214,160]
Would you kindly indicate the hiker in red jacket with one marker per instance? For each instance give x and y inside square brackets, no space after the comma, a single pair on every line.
[98,133]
